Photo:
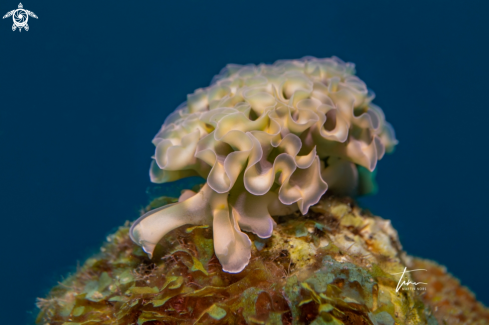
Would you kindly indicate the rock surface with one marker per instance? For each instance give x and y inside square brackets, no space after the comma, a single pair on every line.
[451,303]
[336,265]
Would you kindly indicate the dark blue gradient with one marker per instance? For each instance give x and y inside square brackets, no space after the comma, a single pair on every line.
[86,88]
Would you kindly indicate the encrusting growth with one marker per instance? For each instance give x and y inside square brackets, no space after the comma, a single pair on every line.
[270,140]
[338,264]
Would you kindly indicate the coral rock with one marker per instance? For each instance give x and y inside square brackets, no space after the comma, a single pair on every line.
[337,264]
[451,303]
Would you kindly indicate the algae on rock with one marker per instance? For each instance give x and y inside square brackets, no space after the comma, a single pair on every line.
[335,265]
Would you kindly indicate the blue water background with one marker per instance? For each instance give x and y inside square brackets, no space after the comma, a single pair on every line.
[86,88]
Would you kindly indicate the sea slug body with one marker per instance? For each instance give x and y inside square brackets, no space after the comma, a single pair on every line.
[270,140]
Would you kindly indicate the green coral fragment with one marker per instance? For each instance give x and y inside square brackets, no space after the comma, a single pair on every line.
[118,298]
[126,277]
[325,308]
[78,311]
[143,290]
[160,302]
[216,312]
[175,282]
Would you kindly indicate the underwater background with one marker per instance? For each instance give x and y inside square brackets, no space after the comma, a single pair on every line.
[84,91]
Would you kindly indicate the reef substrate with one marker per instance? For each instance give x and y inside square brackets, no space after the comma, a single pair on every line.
[338,264]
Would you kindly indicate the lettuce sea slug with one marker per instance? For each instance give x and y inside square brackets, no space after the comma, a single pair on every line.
[270,140]
[265,245]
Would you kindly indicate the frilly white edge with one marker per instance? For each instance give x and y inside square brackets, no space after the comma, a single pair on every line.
[270,140]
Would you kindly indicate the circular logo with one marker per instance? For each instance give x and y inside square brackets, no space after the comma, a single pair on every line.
[20,17]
